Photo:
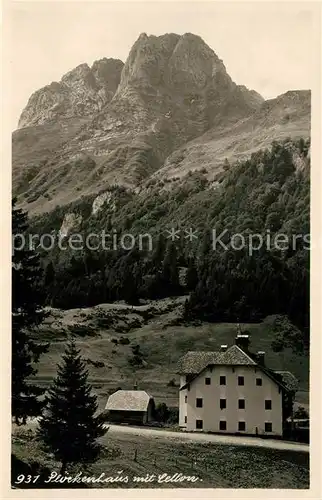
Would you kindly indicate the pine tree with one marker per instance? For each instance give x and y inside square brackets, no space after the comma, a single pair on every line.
[187,311]
[49,283]
[226,165]
[170,271]
[159,252]
[192,276]
[27,313]
[69,428]
[49,274]
[130,273]
[131,285]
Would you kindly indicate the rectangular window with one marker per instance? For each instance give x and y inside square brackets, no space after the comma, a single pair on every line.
[185,419]
[185,399]
[241,404]
[222,425]
[259,381]
[241,426]
[222,404]
[199,424]
[207,381]
[199,402]
[268,426]
[222,380]
[240,380]
[268,404]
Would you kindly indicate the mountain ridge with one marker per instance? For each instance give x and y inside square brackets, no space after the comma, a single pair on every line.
[115,123]
[80,91]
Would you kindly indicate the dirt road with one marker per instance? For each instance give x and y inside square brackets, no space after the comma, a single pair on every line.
[201,438]
[210,438]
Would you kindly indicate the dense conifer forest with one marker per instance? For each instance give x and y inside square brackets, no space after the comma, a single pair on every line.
[265,195]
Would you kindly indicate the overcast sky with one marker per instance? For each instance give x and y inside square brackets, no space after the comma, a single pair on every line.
[267,48]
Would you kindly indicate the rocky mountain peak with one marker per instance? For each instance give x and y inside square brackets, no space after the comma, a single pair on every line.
[81,71]
[82,91]
[147,61]
[176,62]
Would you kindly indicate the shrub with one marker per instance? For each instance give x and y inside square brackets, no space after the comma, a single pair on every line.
[135,361]
[161,412]
[104,322]
[97,364]
[301,413]
[119,388]
[124,341]
[173,417]
[136,350]
[165,414]
[81,330]
[122,328]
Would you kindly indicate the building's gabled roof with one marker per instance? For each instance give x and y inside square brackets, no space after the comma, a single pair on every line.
[273,376]
[128,401]
[195,361]
[288,379]
[235,356]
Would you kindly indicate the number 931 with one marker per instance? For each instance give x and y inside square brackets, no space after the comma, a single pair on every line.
[26,479]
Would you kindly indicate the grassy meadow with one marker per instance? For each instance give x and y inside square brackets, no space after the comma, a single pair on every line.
[106,333]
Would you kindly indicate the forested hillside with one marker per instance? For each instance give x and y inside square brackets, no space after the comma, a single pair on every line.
[267,194]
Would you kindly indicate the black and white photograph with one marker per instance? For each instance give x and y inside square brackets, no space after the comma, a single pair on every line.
[161,326]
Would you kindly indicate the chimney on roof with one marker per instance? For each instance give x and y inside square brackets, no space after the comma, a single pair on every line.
[260,357]
[243,341]
[223,348]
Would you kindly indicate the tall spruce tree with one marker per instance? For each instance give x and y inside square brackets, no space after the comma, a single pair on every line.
[192,278]
[69,428]
[27,314]
[159,252]
[170,271]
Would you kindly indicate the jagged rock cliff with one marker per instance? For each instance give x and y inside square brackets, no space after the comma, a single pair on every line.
[81,92]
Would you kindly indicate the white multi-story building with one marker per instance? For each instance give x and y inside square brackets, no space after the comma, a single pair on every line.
[232,391]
